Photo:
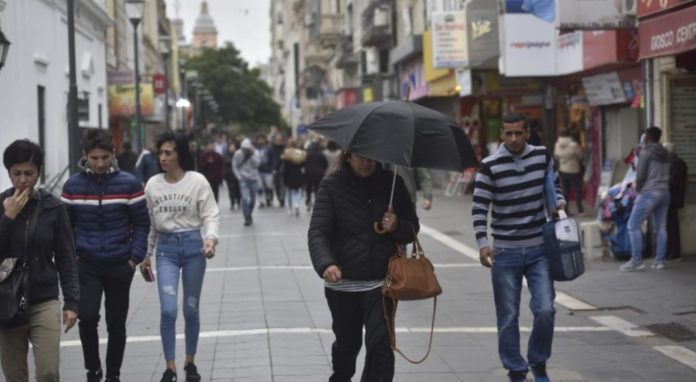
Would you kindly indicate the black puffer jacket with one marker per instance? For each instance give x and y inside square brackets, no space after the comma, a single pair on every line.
[49,243]
[341,233]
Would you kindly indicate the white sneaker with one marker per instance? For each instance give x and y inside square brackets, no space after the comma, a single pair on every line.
[632,266]
[658,264]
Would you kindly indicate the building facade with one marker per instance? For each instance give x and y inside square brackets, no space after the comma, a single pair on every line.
[35,81]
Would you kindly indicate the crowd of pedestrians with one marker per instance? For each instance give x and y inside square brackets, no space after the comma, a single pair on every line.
[162,207]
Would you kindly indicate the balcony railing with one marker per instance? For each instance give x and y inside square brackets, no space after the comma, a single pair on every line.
[330,27]
[315,55]
[346,57]
[376,24]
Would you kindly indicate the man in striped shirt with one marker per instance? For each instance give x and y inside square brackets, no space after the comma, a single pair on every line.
[512,181]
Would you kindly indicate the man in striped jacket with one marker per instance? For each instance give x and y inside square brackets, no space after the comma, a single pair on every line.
[512,181]
[110,220]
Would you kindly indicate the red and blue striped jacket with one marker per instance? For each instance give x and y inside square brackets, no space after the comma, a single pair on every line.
[109,216]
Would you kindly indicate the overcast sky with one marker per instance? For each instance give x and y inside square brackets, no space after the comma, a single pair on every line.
[245,23]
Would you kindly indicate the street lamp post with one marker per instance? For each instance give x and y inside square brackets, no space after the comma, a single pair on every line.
[73,127]
[134,10]
[164,50]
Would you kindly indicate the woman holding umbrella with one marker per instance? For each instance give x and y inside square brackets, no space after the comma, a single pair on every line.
[352,258]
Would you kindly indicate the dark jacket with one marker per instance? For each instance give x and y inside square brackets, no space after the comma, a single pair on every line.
[126,161]
[265,158]
[652,172]
[108,214]
[316,163]
[274,156]
[677,181]
[49,244]
[293,175]
[212,166]
[341,229]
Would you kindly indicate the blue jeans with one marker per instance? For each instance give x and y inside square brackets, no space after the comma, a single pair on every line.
[655,203]
[180,252]
[294,196]
[265,192]
[511,264]
[248,188]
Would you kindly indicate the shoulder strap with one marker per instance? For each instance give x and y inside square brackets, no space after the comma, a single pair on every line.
[391,329]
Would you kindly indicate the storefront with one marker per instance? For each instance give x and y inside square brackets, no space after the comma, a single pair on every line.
[667,33]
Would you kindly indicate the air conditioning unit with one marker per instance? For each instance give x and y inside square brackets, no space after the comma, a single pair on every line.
[629,7]
[591,240]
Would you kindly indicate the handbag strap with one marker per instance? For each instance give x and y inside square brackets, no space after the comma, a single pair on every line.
[391,328]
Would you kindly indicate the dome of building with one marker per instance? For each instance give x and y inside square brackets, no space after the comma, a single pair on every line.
[204,23]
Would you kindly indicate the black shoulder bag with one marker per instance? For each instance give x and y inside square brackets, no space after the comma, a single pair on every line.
[14,290]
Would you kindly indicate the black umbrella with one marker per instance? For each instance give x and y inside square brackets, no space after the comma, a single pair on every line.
[400,133]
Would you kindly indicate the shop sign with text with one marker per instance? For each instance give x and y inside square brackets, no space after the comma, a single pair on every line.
[449,34]
[671,33]
[529,46]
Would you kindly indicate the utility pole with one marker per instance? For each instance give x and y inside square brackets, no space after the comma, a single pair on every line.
[73,124]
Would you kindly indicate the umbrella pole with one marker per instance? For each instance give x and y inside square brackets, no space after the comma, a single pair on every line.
[391,197]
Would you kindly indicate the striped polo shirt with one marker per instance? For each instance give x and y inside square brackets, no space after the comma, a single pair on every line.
[513,185]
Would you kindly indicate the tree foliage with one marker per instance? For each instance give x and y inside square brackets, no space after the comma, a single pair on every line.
[244,99]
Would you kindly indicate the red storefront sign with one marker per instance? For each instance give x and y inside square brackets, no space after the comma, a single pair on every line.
[159,83]
[608,47]
[346,97]
[672,33]
[649,7]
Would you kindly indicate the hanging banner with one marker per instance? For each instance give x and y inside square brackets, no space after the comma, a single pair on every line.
[122,100]
[592,15]
[569,55]
[529,46]
[449,34]
[482,21]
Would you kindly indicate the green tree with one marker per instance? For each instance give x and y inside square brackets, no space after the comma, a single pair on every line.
[244,98]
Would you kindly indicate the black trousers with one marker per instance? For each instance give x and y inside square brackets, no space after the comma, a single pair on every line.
[233,190]
[573,181]
[113,281]
[279,187]
[673,233]
[216,189]
[351,311]
[312,187]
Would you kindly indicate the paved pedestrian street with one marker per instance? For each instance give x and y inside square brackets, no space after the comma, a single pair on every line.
[264,316]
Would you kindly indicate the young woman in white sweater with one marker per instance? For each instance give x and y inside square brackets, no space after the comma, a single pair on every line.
[185,221]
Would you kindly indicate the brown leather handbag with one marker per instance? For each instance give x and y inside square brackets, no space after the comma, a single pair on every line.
[409,278]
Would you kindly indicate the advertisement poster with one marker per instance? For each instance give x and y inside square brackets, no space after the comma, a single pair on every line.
[449,34]
[122,100]
[604,89]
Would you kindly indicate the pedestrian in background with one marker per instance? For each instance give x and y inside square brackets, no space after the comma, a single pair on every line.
[275,154]
[294,175]
[245,165]
[418,179]
[512,181]
[678,177]
[230,178]
[184,233]
[127,159]
[569,157]
[35,216]
[146,165]
[352,259]
[265,193]
[652,185]
[212,166]
[110,220]
[315,170]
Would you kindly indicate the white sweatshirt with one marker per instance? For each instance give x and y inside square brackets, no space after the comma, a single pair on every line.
[182,206]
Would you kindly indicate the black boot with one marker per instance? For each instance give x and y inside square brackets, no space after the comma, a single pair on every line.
[192,373]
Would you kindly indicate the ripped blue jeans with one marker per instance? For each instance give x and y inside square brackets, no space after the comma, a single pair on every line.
[177,254]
